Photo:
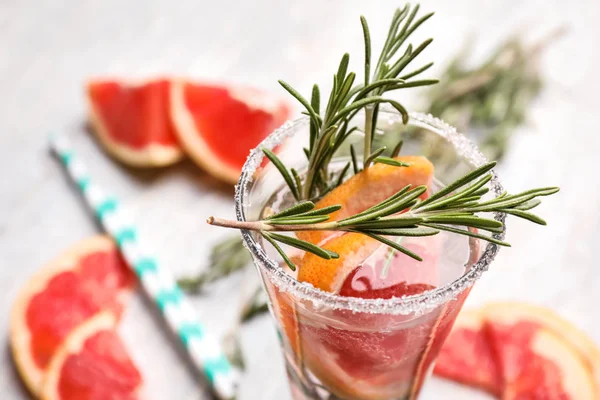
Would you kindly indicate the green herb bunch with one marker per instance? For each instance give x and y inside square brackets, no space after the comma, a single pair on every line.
[487,101]
[455,208]
[329,130]
[490,99]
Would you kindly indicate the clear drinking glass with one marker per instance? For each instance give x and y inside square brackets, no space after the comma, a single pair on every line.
[369,349]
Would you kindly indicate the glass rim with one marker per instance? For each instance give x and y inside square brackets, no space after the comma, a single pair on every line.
[405,305]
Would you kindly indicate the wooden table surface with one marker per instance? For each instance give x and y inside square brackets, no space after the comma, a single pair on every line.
[49,48]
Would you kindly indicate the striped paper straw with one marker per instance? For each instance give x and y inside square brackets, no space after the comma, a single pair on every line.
[204,349]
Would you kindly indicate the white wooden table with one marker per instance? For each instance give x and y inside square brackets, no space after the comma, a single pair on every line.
[49,47]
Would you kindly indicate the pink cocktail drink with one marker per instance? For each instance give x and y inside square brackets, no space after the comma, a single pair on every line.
[359,355]
[376,333]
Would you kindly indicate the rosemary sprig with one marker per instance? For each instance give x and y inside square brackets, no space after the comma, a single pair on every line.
[490,100]
[470,98]
[226,258]
[330,129]
[454,209]
[487,101]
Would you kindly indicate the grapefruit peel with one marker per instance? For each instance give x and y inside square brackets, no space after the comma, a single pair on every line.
[370,187]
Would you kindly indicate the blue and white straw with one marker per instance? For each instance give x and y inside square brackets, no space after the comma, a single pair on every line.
[204,349]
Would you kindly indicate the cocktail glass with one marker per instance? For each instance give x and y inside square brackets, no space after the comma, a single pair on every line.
[338,347]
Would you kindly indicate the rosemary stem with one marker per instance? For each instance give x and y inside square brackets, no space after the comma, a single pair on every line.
[246,225]
[310,174]
[308,184]
[265,226]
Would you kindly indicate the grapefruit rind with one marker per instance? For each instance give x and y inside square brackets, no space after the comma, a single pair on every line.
[20,336]
[152,155]
[513,312]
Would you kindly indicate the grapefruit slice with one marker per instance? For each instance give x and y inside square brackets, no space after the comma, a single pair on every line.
[372,186]
[132,122]
[358,193]
[537,364]
[218,125]
[467,355]
[91,364]
[88,277]
[358,270]
[329,275]
[503,314]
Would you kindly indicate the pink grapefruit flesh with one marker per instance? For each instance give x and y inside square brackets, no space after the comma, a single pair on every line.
[89,277]
[218,125]
[92,364]
[512,313]
[132,121]
[537,364]
[467,356]
[520,351]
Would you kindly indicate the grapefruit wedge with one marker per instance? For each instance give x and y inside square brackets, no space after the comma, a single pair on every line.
[467,356]
[358,193]
[526,317]
[87,278]
[219,125]
[372,186]
[92,364]
[132,121]
[519,352]
[329,275]
[537,364]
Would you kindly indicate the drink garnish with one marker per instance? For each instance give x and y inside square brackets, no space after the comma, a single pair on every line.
[455,208]
[452,209]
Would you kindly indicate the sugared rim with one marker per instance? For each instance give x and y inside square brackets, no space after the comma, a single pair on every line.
[405,305]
